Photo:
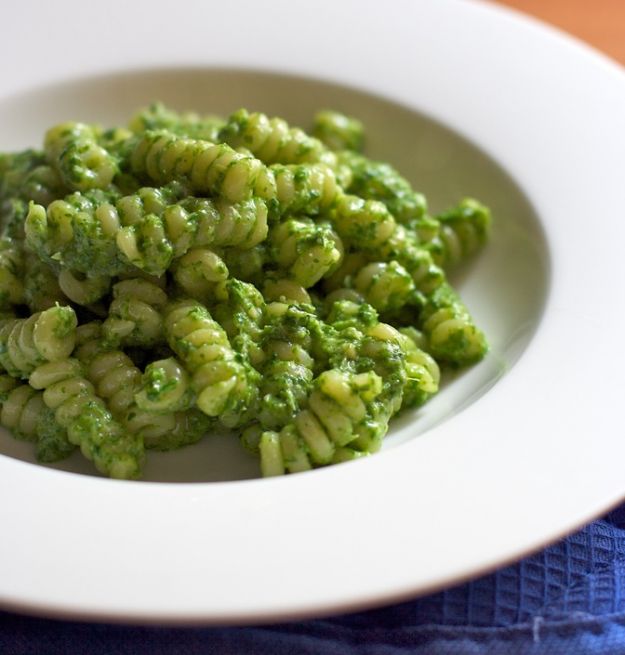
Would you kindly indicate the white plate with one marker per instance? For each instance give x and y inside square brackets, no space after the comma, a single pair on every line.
[467,99]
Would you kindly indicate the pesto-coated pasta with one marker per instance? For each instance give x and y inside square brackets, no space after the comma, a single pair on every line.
[77,234]
[155,234]
[188,272]
[89,425]
[46,336]
[226,385]
[380,181]
[309,190]
[272,140]
[134,317]
[307,250]
[118,381]
[463,230]
[338,132]
[11,273]
[218,169]
[339,412]
[82,164]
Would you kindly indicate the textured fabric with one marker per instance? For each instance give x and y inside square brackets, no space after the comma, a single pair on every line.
[568,599]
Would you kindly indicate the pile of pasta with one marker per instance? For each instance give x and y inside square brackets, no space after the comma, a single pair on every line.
[187,273]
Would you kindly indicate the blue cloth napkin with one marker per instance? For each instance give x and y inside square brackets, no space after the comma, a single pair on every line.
[568,599]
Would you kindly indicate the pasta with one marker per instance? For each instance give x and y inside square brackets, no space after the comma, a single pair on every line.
[226,384]
[188,272]
[88,422]
[118,382]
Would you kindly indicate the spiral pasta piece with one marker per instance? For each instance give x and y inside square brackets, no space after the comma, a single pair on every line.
[78,234]
[403,247]
[450,330]
[210,168]
[363,224]
[463,230]
[245,265]
[153,237]
[338,131]
[374,180]
[88,422]
[83,290]
[290,336]
[134,317]
[225,383]
[307,250]
[272,140]
[82,164]
[41,285]
[24,413]
[26,176]
[285,290]
[422,371]
[165,387]
[306,189]
[118,382]
[198,272]
[339,413]
[11,273]
[385,285]
[187,124]
[21,408]
[240,310]
[46,336]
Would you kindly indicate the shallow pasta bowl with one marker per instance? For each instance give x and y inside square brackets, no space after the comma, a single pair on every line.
[513,453]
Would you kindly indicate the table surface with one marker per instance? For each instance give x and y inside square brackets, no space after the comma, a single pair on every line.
[600,23]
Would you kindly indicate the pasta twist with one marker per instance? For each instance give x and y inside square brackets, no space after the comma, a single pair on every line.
[83,290]
[387,286]
[289,338]
[165,387]
[82,164]
[374,180]
[41,286]
[134,317]
[449,328]
[225,383]
[42,185]
[363,224]
[152,237]
[46,336]
[337,131]
[25,414]
[11,273]
[403,247]
[285,290]
[339,412]
[27,176]
[463,230]
[78,234]
[52,442]
[89,424]
[21,408]
[188,124]
[307,189]
[245,265]
[272,140]
[210,168]
[240,310]
[422,371]
[306,250]
[118,382]
[198,272]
